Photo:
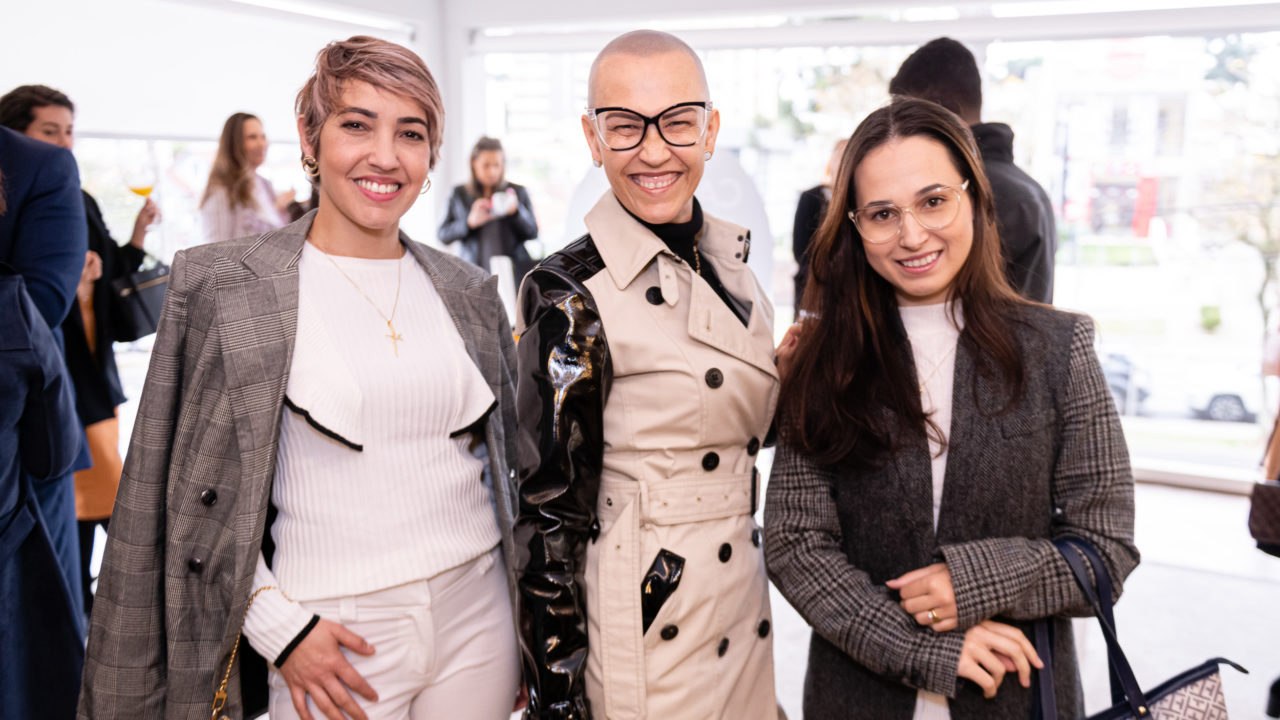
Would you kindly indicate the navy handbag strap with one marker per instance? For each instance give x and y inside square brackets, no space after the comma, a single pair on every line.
[1124,686]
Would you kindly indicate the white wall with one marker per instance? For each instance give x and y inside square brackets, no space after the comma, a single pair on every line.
[178,68]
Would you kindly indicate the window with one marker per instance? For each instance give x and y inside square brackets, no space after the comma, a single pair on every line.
[1159,154]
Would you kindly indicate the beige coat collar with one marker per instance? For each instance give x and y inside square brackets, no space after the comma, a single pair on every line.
[631,246]
[627,247]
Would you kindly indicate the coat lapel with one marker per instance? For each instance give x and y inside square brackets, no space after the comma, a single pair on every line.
[711,321]
[257,320]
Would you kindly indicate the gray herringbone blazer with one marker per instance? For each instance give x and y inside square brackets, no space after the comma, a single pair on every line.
[177,573]
[1056,464]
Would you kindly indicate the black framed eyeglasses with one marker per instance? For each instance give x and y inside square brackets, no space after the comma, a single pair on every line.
[681,125]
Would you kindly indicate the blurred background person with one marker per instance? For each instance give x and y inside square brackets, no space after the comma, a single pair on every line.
[945,72]
[238,202]
[46,114]
[489,215]
[809,212]
[40,675]
[44,238]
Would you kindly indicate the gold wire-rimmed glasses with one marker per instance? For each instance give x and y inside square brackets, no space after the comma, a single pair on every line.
[934,210]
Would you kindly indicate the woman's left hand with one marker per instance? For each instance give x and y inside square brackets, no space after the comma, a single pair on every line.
[928,596]
[514,205]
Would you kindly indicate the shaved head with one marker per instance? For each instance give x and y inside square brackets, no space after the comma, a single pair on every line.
[643,43]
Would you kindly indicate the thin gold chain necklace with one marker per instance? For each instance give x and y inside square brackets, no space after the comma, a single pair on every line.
[394,336]
[697,257]
[937,365]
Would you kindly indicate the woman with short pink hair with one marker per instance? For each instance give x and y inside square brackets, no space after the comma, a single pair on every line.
[320,454]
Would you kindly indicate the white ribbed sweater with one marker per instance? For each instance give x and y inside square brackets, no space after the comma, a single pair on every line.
[934,335]
[411,502]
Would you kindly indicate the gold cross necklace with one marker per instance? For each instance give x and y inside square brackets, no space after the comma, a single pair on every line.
[394,336]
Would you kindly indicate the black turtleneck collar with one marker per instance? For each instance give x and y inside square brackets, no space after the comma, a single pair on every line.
[678,237]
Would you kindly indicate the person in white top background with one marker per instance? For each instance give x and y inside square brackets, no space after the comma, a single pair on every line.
[237,201]
[321,451]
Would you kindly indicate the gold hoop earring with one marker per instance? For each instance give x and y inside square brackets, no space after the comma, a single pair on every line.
[425,188]
[311,167]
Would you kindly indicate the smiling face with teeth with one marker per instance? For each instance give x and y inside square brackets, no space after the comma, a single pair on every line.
[374,157]
[655,180]
[920,264]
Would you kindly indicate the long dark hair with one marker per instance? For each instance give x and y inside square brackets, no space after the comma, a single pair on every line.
[486,144]
[231,170]
[852,364]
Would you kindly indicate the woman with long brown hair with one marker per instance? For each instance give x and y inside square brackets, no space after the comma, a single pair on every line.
[490,215]
[937,432]
[237,201]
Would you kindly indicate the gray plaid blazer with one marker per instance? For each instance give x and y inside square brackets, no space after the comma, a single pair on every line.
[1056,464]
[178,569]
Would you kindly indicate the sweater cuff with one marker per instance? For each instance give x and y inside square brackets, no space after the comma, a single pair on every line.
[275,626]
[293,644]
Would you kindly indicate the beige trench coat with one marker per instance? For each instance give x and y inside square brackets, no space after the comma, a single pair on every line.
[692,398]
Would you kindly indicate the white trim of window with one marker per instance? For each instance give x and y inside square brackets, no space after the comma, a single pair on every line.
[1200,476]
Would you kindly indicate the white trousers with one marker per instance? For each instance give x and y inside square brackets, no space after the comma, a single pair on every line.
[445,647]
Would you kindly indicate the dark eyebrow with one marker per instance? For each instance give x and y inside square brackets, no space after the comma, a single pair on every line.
[931,188]
[374,116]
[921,191]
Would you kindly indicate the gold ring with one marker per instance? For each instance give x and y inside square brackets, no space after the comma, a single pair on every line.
[933,617]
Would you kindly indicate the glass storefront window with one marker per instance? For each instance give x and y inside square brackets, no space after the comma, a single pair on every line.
[1159,154]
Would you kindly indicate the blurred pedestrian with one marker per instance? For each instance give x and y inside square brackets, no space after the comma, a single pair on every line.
[809,213]
[488,215]
[237,201]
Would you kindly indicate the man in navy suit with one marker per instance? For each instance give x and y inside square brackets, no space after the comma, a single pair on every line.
[44,237]
[39,633]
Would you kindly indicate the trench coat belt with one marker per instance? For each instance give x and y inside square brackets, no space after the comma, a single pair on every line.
[631,505]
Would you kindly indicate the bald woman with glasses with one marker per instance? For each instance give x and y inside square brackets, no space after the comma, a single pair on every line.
[646,386]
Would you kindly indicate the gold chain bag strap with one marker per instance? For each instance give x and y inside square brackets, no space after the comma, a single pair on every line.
[220,697]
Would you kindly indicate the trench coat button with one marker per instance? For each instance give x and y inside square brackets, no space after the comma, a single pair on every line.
[726,552]
[195,565]
[209,497]
[653,295]
[753,446]
[755,537]
[714,378]
[723,648]
[763,630]
[669,632]
[710,461]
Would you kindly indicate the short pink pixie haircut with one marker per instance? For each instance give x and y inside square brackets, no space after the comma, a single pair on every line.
[384,65]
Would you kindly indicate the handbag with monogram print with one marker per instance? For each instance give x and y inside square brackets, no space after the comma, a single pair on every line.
[1194,694]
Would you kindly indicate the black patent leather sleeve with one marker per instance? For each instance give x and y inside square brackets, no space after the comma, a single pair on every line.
[563,381]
